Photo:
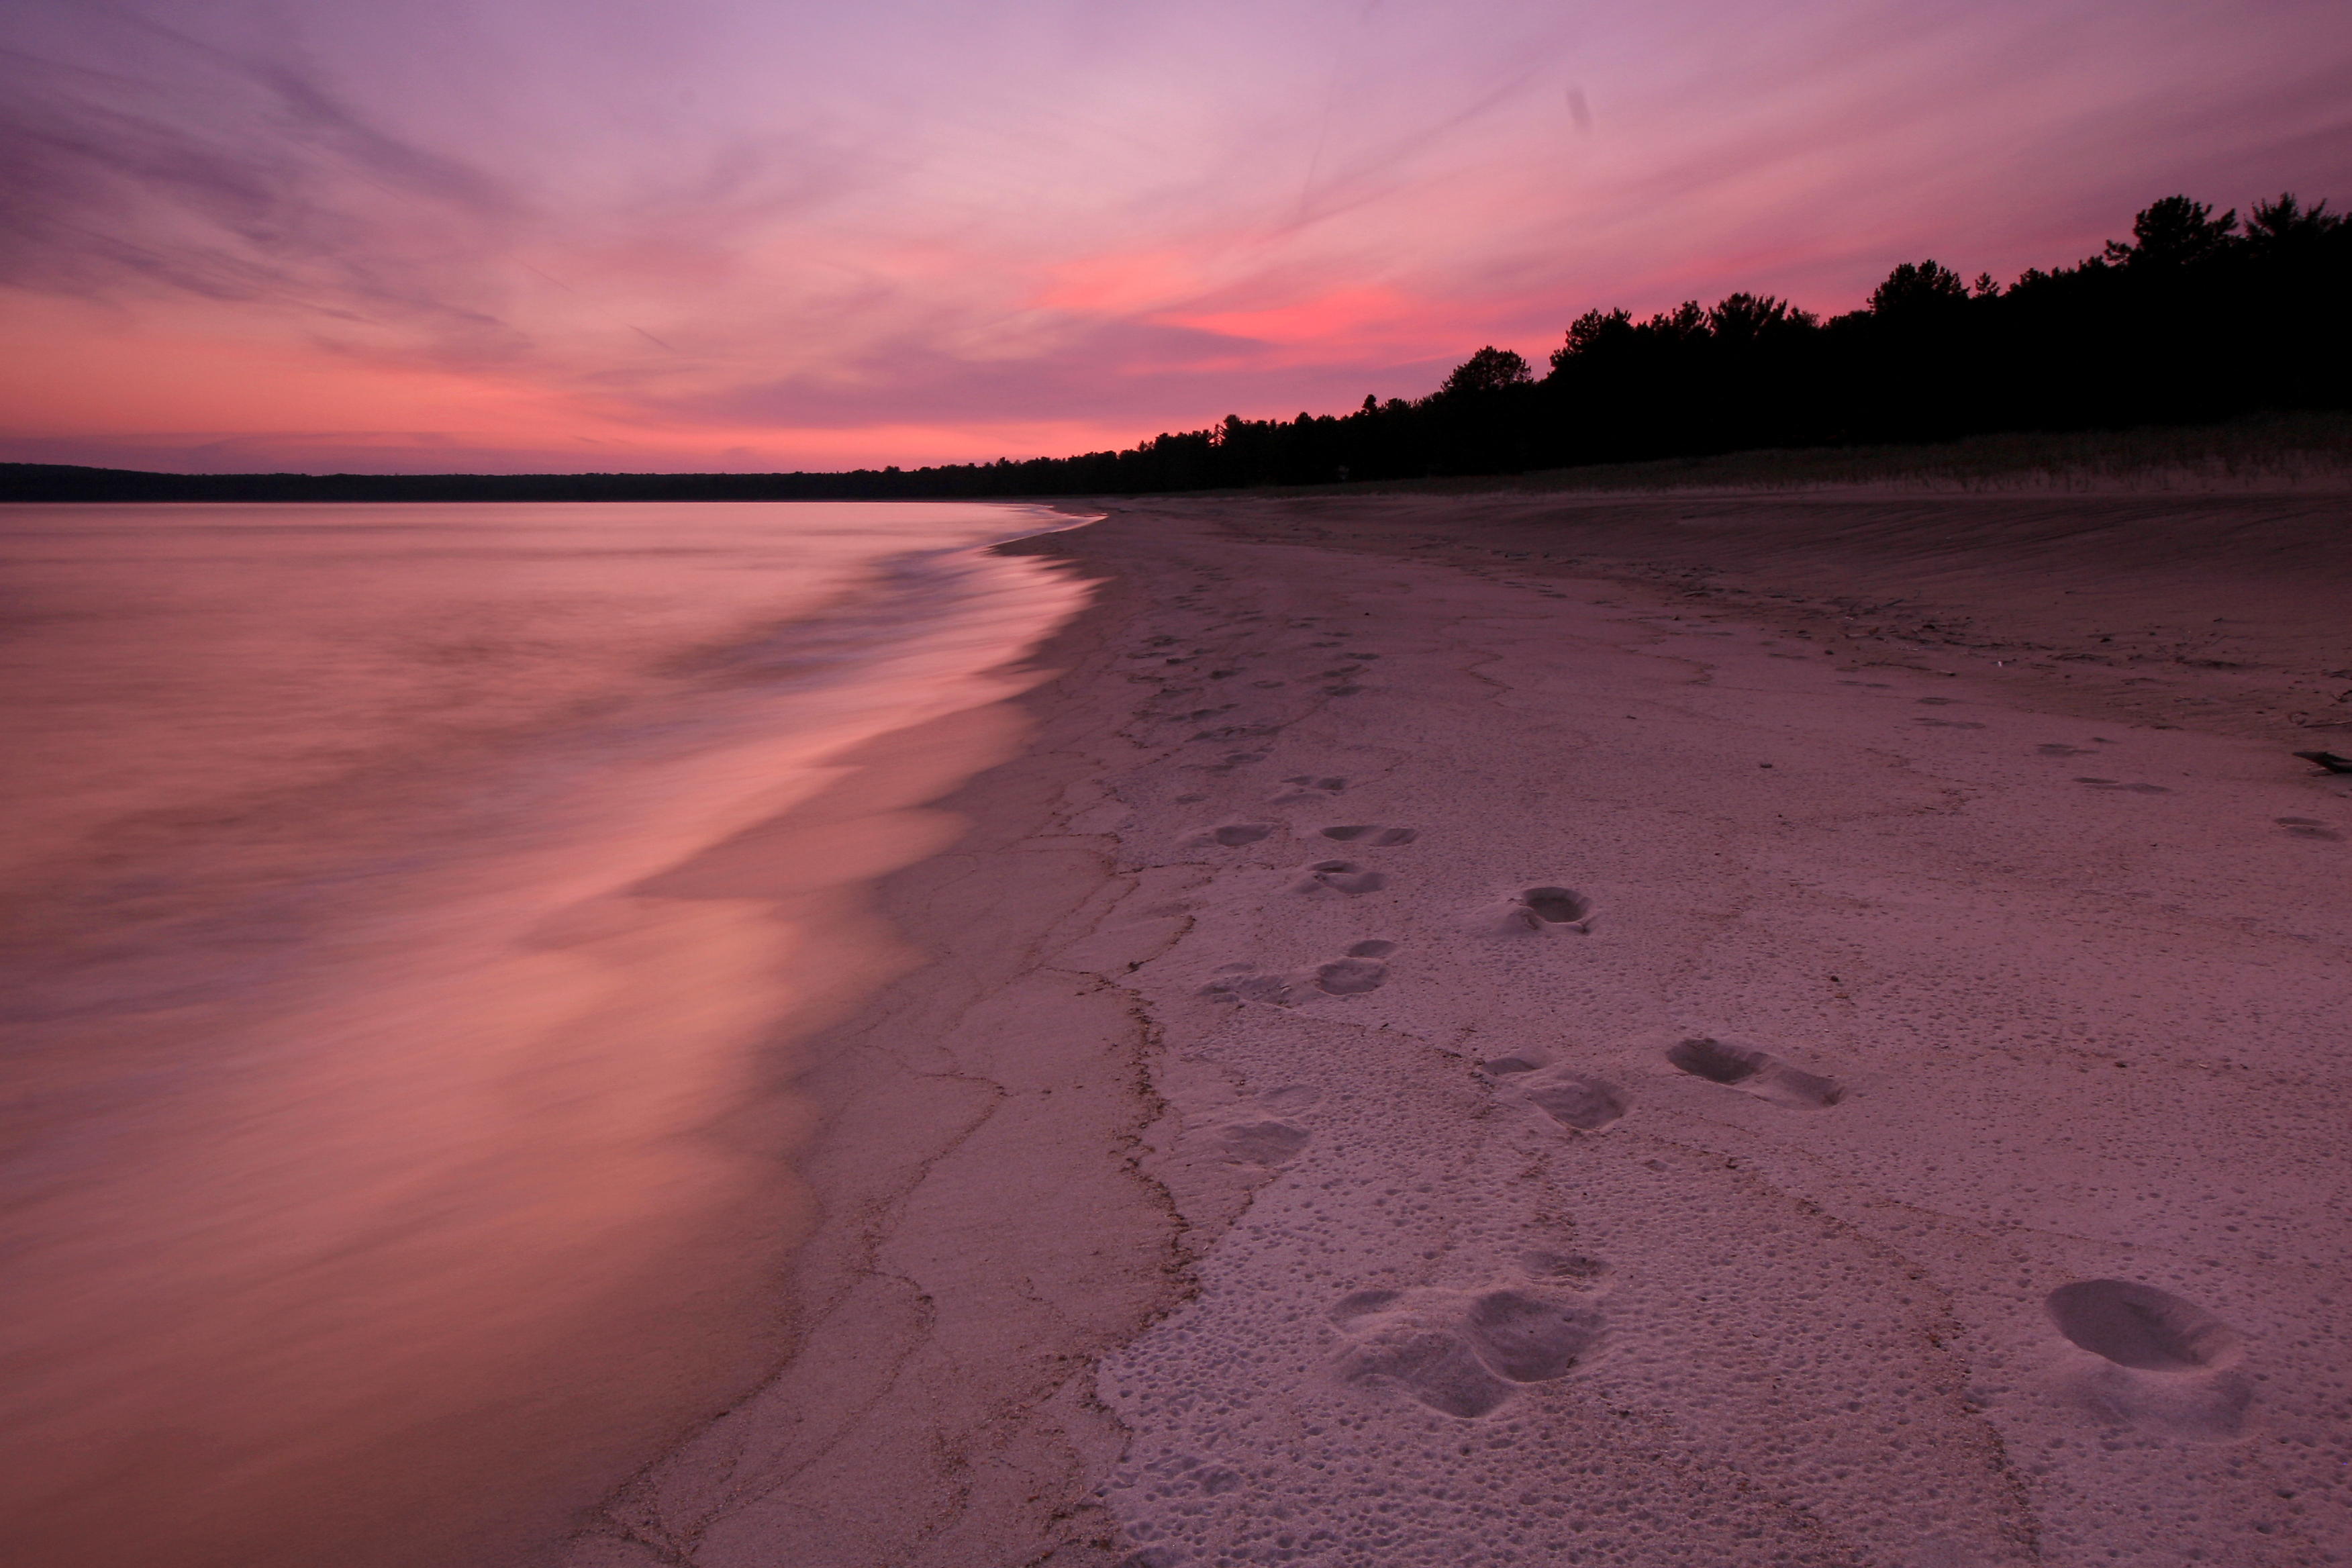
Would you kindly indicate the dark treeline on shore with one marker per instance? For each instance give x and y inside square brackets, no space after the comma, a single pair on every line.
[2197,318]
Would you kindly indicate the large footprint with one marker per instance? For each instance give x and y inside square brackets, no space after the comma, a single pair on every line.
[2167,1360]
[2142,1327]
[1572,1099]
[1459,1351]
[1755,1072]
[1360,972]
[1536,911]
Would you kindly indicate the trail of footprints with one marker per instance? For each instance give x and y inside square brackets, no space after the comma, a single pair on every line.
[1174,670]
[2163,1363]
[2307,827]
[1459,1351]
[1357,970]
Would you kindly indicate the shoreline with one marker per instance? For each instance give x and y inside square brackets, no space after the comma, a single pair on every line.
[1099,1182]
[401,1160]
[897,1091]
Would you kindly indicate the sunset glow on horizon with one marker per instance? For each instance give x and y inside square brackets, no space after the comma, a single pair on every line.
[517,236]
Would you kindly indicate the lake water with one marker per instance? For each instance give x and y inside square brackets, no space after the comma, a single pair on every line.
[393,1159]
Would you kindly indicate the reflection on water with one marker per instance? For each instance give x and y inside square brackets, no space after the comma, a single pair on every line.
[394,1132]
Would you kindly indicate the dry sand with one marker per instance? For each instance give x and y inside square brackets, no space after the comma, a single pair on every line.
[1515,1030]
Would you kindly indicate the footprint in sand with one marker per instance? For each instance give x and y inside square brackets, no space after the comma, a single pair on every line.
[1536,910]
[2142,1327]
[1573,1100]
[1502,1066]
[1529,1336]
[1360,972]
[1459,1351]
[2119,784]
[2308,828]
[1234,835]
[1263,1133]
[2167,1360]
[1372,836]
[1752,1071]
[1240,983]
[1557,906]
[1258,1141]
[1305,789]
[1430,1364]
[1949,723]
[2060,749]
[1344,876]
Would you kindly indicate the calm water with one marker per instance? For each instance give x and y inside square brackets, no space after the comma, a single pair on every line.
[393,1157]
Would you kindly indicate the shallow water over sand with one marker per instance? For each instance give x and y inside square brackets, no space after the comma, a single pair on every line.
[395,1138]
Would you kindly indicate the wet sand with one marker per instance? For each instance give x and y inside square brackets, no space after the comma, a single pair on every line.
[1497,1030]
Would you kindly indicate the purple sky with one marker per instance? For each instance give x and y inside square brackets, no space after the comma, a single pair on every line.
[712,234]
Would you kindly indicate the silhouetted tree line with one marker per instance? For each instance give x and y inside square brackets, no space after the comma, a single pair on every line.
[2195,318]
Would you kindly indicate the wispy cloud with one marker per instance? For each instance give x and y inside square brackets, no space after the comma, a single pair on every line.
[738,226]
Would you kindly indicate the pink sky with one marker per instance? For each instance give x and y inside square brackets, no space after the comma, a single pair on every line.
[527,234]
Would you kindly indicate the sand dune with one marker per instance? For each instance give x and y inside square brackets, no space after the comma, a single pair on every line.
[1510,1031]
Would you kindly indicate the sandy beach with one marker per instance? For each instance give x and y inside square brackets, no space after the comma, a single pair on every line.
[1647,1031]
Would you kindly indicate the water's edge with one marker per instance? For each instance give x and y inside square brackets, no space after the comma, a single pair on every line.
[469,1234]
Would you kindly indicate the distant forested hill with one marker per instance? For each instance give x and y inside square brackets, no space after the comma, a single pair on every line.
[2197,318]
[65,482]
